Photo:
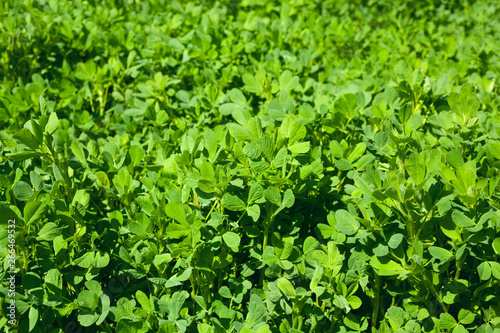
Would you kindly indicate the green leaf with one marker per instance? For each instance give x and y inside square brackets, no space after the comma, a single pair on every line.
[237,97]
[251,83]
[6,140]
[466,317]
[37,130]
[52,124]
[254,126]
[256,311]
[142,225]
[225,292]
[33,318]
[447,321]
[381,250]
[415,121]
[78,152]
[273,196]
[287,82]
[48,232]
[484,270]
[346,223]
[205,328]
[404,71]
[343,164]
[33,211]
[265,144]
[294,131]
[232,202]
[87,318]
[31,281]
[25,137]
[231,239]
[94,286]
[36,180]
[346,104]
[460,329]
[495,269]
[42,103]
[299,148]
[405,113]
[454,158]
[350,320]
[440,253]
[105,306]
[494,148]
[461,220]
[86,260]
[177,231]
[101,260]
[252,150]
[286,287]
[496,245]
[465,104]
[174,44]
[389,268]
[54,281]
[176,211]
[415,165]
[354,302]
[397,316]
[136,153]
[280,158]
[22,191]
[288,199]
[81,201]
[210,143]
[255,194]
[207,171]
[254,212]
[395,240]
[88,299]
[240,133]
[24,155]
[422,314]
[381,139]
[143,300]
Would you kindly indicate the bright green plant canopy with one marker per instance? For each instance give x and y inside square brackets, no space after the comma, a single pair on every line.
[250,166]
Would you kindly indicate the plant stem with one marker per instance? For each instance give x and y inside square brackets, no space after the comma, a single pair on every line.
[211,210]
[267,227]
[434,292]
[67,182]
[376,301]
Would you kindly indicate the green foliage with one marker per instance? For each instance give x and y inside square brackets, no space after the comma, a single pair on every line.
[253,166]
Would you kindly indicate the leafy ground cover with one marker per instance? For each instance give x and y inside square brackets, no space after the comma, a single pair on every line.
[250,166]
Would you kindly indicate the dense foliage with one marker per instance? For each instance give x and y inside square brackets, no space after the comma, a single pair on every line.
[251,166]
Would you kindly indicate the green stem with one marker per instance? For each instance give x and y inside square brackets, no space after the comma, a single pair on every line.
[206,296]
[376,301]
[264,245]
[107,327]
[211,210]
[67,182]
[267,227]
[241,216]
[481,287]
[459,267]
[266,235]
[193,291]
[434,292]
[219,279]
